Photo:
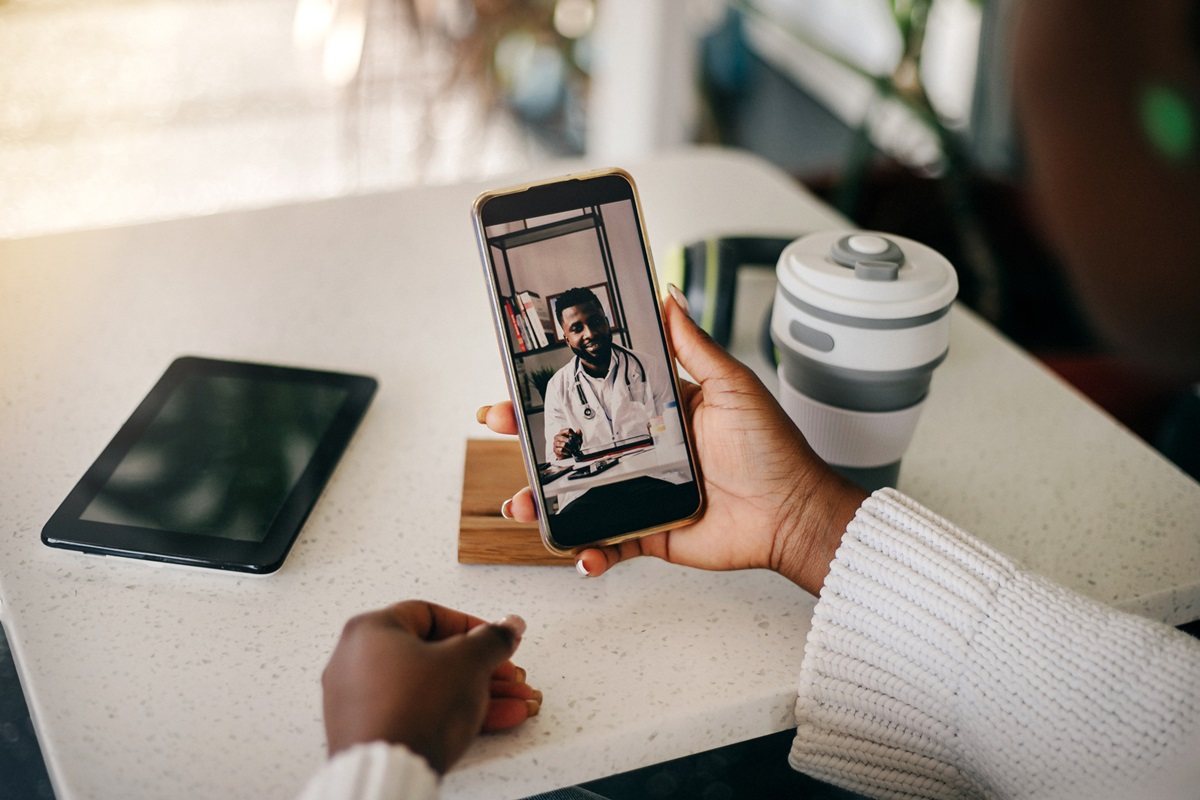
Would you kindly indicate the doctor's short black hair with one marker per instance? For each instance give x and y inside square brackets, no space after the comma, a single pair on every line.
[574,297]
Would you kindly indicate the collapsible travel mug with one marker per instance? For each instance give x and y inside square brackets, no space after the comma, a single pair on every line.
[860,321]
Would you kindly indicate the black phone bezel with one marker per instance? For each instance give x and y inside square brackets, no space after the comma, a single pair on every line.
[65,528]
[543,199]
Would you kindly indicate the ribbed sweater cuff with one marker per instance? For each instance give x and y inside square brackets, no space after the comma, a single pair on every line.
[375,771]
[936,667]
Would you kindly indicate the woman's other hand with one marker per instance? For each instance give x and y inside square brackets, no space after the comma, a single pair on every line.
[427,677]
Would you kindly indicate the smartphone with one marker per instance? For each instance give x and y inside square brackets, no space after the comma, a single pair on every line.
[588,363]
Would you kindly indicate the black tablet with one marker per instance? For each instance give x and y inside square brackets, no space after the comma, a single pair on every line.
[218,467]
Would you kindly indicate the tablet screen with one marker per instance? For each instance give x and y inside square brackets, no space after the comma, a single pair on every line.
[219,466]
[219,458]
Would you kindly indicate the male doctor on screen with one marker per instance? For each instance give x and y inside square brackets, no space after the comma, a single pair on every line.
[606,393]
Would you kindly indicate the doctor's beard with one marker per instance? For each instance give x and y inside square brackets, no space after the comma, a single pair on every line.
[602,356]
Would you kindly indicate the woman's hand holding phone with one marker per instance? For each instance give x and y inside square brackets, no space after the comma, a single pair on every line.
[772,503]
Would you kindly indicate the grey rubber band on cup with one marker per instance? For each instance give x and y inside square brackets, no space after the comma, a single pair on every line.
[855,389]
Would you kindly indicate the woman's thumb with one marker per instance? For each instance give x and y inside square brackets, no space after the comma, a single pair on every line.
[493,643]
[704,359]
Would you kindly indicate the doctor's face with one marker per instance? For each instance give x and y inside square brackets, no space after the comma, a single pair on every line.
[587,333]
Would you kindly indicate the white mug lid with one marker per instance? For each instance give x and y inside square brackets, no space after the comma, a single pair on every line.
[866,274]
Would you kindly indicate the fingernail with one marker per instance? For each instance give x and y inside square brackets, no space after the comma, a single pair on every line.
[680,300]
[533,706]
[582,569]
[537,695]
[520,676]
[481,415]
[513,623]
[505,509]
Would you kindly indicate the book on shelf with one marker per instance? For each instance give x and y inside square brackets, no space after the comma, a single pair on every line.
[531,341]
[537,318]
[515,326]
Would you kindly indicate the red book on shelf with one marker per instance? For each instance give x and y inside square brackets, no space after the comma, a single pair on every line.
[516,327]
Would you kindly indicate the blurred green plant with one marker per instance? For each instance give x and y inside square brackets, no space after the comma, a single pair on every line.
[540,378]
[527,56]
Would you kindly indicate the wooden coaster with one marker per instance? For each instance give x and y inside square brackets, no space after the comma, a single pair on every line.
[493,472]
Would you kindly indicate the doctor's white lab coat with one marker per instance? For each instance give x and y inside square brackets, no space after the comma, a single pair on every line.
[619,410]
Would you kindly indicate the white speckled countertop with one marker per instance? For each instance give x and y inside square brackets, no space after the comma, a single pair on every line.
[158,682]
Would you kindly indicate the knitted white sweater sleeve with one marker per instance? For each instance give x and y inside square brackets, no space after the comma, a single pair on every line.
[375,771]
[938,668]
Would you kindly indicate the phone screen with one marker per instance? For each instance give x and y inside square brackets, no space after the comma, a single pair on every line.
[577,314]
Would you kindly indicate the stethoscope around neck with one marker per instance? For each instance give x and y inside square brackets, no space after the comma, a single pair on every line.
[588,411]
